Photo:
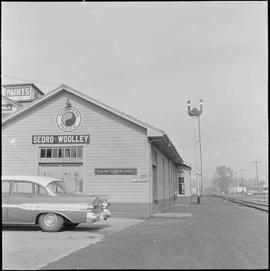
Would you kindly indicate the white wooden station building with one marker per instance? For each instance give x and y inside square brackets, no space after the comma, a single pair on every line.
[93,147]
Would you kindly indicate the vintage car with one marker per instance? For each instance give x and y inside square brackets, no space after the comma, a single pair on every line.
[47,202]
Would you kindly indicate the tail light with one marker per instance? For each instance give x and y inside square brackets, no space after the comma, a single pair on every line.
[105,204]
[98,204]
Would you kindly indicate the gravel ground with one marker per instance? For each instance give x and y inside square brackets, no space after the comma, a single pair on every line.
[28,248]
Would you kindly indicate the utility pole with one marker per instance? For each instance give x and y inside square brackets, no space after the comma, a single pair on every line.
[241,169]
[235,178]
[196,113]
[256,164]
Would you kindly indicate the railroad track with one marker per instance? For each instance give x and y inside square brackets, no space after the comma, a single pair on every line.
[260,203]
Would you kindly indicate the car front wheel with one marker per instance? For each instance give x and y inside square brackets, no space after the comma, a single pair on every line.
[51,222]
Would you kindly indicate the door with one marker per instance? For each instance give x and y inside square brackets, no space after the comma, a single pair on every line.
[50,170]
[72,176]
[155,190]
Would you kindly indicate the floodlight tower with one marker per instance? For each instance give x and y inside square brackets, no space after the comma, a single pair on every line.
[195,112]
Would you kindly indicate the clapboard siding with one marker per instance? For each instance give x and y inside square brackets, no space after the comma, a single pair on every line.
[114,142]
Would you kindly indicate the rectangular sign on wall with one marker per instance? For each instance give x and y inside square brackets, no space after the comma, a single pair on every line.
[61,139]
[6,107]
[23,93]
[115,171]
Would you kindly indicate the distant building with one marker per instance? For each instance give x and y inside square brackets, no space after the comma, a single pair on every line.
[238,189]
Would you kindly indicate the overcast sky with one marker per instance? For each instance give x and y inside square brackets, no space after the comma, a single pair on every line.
[147,59]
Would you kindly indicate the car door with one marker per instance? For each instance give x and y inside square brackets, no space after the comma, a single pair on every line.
[22,202]
[5,199]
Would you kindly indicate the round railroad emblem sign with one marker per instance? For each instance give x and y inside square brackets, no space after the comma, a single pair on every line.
[68,119]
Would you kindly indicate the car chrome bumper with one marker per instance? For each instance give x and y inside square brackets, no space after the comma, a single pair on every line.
[92,217]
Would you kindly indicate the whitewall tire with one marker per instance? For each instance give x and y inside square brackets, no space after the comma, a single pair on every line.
[51,222]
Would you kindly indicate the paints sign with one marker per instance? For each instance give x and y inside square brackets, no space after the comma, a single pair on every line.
[16,93]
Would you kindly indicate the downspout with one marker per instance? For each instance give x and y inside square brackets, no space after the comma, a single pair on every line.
[150,175]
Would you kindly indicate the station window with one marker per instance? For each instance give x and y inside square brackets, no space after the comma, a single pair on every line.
[43,153]
[55,152]
[72,152]
[67,153]
[181,183]
[61,153]
[49,153]
[79,152]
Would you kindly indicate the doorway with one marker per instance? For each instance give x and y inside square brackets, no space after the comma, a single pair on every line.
[181,186]
[155,190]
[71,174]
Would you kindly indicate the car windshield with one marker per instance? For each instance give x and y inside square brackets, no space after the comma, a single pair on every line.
[58,187]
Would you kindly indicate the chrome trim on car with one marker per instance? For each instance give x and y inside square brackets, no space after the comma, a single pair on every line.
[75,207]
[59,213]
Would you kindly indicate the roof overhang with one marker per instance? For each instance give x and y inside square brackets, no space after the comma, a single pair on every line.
[185,166]
[164,144]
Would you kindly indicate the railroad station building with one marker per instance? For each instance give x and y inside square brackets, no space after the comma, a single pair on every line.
[94,148]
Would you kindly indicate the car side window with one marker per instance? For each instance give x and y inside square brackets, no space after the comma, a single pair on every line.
[55,188]
[23,188]
[5,187]
[39,190]
[28,188]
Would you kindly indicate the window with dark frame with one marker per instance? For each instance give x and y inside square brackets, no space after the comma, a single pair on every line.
[42,153]
[61,153]
[69,152]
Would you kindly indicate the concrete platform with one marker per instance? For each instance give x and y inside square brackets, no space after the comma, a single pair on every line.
[173,215]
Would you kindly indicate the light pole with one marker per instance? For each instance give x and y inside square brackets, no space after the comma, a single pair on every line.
[196,113]
[256,164]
